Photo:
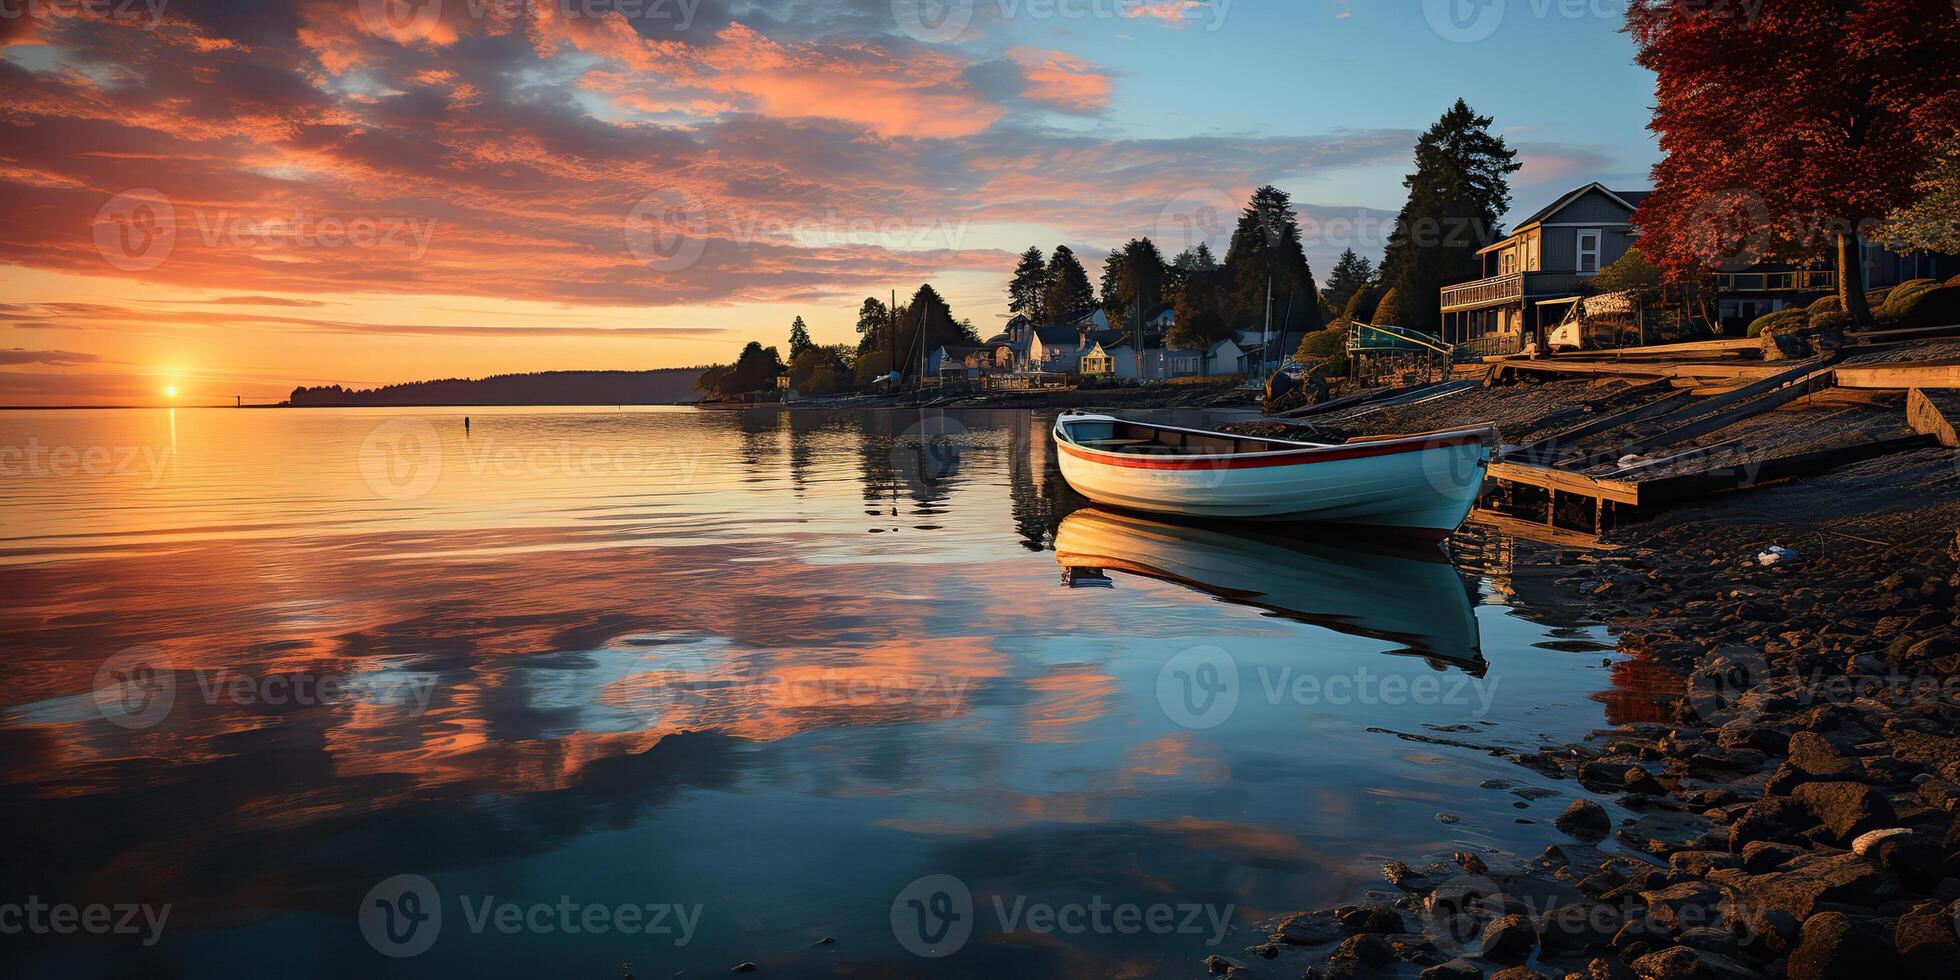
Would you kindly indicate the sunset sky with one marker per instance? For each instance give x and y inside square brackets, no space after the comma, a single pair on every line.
[238,197]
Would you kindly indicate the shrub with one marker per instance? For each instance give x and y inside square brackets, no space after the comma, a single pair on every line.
[1934,307]
[1902,295]
[1829,304]
[1830,320]
[1389,311]
[1327,348]
[1781,319]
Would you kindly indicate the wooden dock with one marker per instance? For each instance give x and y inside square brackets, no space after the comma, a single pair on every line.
[1631,461]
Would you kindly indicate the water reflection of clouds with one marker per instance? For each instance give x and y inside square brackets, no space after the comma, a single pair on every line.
[601,650]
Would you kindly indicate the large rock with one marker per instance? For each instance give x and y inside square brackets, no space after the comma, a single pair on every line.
[1688,905]
[1833,947]
[1814,754]
[1805,885]
[1373,918]
[1939,753]
[1585,820]
[1777,818]
[1456,969]
[1845,809]
[1928,945]
[1310,929]
[1509,938]
[1665,833]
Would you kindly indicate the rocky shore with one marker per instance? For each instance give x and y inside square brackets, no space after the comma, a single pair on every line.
[1794,812]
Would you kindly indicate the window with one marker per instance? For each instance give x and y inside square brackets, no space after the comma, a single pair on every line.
[1588,250]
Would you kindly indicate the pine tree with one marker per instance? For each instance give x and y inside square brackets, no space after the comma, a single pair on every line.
[1069,292]
[939,329]
[1266,251]
[1137,267]
[1352,272]
[1199,313]
[799,338]
[1460,188]
[1027,293]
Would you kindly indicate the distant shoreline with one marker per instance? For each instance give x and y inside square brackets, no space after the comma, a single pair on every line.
[234,408]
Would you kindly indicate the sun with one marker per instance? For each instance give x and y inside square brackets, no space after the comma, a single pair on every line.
[170,391]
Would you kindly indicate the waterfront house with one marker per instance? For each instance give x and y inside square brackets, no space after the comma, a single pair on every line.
[1531,278]
[1225,357]
[1533,275]
[1765,288]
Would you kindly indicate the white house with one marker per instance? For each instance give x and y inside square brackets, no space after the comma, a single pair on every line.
[1225,357]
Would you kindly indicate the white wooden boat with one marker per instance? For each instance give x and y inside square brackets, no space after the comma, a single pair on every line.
[1364,587]
[1426,482]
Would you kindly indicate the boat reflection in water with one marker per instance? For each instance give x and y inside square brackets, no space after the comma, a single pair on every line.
[1403,592]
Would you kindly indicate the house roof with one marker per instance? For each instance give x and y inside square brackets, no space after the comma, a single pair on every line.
[1629,199]
[1065,336]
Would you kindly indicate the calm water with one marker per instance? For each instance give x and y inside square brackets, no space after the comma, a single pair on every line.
[681,690]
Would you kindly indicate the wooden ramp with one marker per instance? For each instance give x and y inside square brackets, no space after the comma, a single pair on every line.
[1936,414]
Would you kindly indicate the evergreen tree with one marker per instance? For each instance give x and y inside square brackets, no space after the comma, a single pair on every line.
[1200,312]
[925,324]
[1069,292]
[1266,249]
[1460,188]
[799,339]
[1137,267]
[755,370]
[1027,293]
[1352,272]
[1197,258]
[874,329]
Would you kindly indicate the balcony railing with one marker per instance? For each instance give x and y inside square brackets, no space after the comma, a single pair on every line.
[1818,280]
[1507,289]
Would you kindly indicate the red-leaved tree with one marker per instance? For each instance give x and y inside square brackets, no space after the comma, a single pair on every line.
[1791,126]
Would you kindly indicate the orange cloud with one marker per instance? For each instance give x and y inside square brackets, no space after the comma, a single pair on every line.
[1061,80]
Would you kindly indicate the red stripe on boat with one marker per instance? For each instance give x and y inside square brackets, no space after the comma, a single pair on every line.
[1304,457]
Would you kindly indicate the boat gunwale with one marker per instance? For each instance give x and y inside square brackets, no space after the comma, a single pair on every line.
[1308,453]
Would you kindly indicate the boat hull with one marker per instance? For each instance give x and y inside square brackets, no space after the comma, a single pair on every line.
[1427,483]
[1346,586]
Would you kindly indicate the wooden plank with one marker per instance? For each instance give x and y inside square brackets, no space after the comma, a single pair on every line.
[1657,369]
[1936,414]
[1672,489]
[1901,375]
[1718,345]
[1566,481]
[1534,531]
[1754,400]
[1537,450]
[1350,401]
